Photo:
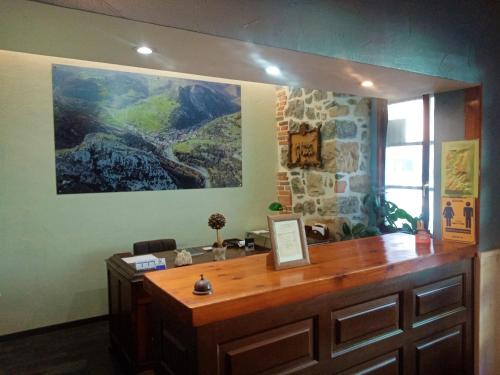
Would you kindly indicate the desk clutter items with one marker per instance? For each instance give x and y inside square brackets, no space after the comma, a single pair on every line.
[233,242]
[317,231]
[146,262]
[219,253]
[422,237]
[260,237]
[202,287]
[217,221]
[249,244]
[183,258]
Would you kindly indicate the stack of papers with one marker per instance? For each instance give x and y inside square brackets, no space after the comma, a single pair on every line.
[146,262]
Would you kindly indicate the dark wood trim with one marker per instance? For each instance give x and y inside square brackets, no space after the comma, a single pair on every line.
[425,160]
[472,126]
[472,130]
[382,120]
[51,328]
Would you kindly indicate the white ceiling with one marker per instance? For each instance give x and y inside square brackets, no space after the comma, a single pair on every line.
[63,32]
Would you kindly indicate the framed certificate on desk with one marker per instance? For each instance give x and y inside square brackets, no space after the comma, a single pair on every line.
[288,241]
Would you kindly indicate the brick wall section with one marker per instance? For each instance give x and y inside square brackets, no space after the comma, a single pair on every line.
[283,190]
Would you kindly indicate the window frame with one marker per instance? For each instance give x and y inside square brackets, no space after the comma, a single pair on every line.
[426,144]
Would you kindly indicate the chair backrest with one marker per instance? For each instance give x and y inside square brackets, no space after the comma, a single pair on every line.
[154,246]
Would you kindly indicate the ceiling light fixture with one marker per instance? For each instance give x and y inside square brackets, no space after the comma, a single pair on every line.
[367,84]
[144,50]
[273,70]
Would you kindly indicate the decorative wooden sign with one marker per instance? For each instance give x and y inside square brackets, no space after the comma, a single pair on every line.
[304,147]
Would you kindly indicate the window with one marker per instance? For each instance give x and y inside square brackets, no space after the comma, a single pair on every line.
[409,160]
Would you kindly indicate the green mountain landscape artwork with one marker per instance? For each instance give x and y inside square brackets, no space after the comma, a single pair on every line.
[120,131]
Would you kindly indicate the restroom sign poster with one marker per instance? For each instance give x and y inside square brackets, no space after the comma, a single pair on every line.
[458,219]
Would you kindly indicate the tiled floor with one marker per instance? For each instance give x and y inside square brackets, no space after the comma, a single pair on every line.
[76,351]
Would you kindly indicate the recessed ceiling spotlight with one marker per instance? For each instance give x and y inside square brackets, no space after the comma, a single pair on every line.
[144,50]
[273,70]
[367,84]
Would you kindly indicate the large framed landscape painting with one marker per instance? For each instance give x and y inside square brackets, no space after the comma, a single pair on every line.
[119,131]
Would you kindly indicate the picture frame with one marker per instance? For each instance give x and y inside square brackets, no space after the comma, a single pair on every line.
[304,147]
[288,241]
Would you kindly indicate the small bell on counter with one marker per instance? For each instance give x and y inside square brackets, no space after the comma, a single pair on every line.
[202,287]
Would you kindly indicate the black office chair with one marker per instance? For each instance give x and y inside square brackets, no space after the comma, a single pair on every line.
[154,246]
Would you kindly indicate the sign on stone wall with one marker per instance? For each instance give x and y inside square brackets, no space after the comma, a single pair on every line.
[304,147]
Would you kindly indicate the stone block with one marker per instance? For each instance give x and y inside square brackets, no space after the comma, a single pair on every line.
[319,95]
[298,208]
[310,113]
[328,207]
[297,186]
[360,184]
[294,126]
[346,157]
[309,207]
[340,186]
[328,130]
[338,111]
[348,205]
[314,184]
[295,109]
[362,108]
[346,129]
[295,93]
[284,156]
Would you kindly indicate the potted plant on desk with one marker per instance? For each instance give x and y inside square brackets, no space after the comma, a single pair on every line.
[275,208]
[217,221]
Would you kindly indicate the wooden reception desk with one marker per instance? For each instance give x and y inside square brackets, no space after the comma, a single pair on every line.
[378,305]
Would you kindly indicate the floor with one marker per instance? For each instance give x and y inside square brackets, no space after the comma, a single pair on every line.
[79,350]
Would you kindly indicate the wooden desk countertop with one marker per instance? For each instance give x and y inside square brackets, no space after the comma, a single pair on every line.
[246,285]
[130,273]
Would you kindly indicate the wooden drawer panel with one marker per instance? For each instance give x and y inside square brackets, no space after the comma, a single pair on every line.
[441,354]
[173,354]
[388,364]
[284,349]
[366,320]
[439,297]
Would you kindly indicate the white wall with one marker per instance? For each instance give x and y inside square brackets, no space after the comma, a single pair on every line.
[53,246]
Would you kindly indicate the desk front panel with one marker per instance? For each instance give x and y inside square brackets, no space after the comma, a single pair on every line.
[398,326]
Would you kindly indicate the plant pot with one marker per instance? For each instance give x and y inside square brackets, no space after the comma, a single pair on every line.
[219,253]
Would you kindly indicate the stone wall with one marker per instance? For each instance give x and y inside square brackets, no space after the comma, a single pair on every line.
[333,193]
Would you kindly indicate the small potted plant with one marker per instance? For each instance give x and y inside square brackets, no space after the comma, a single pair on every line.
[217,221]
[275,207]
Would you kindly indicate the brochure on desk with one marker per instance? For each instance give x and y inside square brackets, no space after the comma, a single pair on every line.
[146,262]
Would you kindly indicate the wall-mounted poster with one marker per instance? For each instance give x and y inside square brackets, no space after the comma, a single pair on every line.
[121,131]
[458,219]
[460,168]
